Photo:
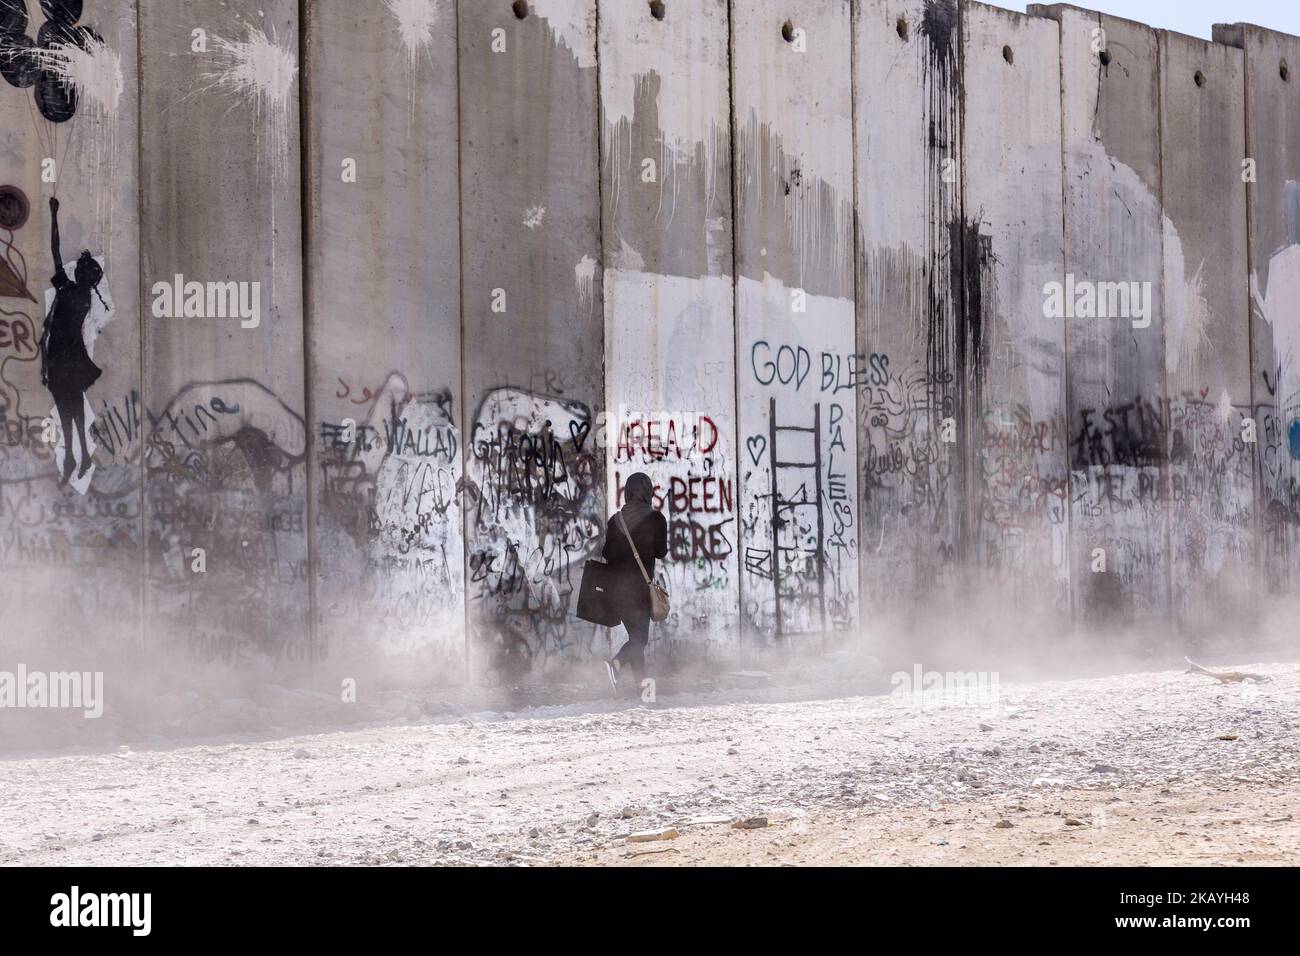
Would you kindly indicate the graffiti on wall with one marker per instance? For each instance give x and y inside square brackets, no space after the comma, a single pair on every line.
[392,566]
[912,329]
[67,344]
[534,481]
[799,509]
[69,524]
[224,464]
[1274,295]
[19,337]
[695,487]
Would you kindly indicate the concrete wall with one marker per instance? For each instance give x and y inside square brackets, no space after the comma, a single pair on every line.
[1115,339]
[1273,206]
[226,439]
[792,103]
[70,556]
[795,264]
[383,191]
[669,299]
[910,330]
[1207,344]
[533,345]
[1015,353]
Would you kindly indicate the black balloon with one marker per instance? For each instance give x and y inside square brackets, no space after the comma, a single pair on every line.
[52,33]
[13,208]
[17,61]
[13,16]
[64,11]
[85,36]
[56,100]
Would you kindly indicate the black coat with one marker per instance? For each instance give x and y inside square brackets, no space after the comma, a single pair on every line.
[631,595]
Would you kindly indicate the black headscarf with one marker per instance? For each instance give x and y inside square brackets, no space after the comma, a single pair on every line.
[638,499]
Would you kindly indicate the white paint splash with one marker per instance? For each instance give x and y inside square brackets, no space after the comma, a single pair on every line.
[573,24]
[93,73]
[689,69]
[534,216]
[261,73]
[1277,305]
[1187,312]
[1133,209]
[415,22]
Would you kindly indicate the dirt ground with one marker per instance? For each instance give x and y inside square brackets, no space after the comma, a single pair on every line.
[1191,826]
[1153,768]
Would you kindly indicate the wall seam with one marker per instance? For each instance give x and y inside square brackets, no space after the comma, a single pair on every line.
[142,284]
[1167,403]
[604,312]
[307,230]
[968,448]
[859,333]
[464,391]
[1257,524]
[1067,380]
[735,310]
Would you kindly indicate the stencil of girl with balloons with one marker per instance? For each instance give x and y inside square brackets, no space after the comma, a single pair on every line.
[67,369]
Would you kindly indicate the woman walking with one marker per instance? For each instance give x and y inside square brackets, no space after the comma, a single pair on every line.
[67,369]
[648,530]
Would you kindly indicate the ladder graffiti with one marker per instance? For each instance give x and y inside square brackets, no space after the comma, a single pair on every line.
[785,513]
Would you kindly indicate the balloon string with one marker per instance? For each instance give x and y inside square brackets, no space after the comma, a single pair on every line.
[11,250]
[42,138]
[67,143]
[31,111]
[21,258]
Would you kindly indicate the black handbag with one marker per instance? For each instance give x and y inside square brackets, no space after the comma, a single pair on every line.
[596,594]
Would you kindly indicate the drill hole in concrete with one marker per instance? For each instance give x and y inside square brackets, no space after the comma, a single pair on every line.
[1284,71]
[787,31]
[1009,54]
[1199,78]
[657,9]
[1104,57]
[902,29]
[521,9]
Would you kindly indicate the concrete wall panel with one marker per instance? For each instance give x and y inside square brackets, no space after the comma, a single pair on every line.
[1114,322]
[224,393]
[1273,143]
[1012,249]
[669,298]
[384,331]
[534,327]
[797,369]
[70,554]
[1207,350]
[907,100]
